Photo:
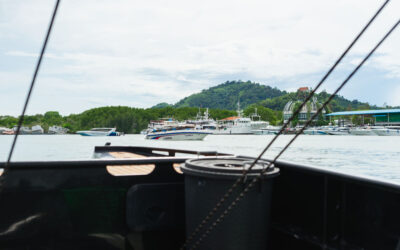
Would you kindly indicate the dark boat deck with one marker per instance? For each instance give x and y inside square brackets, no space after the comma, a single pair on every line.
[80,205]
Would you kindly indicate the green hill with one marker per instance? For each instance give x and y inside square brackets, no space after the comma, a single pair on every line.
[226,95]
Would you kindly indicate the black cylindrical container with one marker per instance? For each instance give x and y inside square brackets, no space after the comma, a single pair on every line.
[246,226]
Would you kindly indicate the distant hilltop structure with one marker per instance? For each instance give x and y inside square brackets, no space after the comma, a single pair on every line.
[307,111]
[303,89]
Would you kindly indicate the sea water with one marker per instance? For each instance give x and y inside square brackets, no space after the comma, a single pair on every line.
[375,157]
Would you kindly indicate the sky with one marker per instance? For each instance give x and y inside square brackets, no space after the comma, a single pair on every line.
[140,53]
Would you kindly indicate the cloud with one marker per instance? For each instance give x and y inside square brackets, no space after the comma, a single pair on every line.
[142,53]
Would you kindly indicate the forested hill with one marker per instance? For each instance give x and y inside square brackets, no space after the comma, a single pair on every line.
[226,95]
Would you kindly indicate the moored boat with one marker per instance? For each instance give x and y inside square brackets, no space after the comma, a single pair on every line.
[99,132]
[256,122]
[37,130]
[314,131]
[23,130]
[235,125]
[177,134]
[338,131]
[6,131]
[57,130]
[203,122]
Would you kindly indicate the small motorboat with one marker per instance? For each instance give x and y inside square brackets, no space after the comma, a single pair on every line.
[178,134]
[99,132]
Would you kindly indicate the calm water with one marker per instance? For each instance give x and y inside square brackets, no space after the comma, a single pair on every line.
[372,156]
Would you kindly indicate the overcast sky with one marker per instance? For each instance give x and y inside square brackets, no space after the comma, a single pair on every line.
[140,53]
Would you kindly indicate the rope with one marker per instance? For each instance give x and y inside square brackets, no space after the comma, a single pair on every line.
[21,118]
[258,178]
[295,114]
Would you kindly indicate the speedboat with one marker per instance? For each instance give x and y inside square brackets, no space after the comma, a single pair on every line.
[99,132]
[338,131]
[314,131]
[181,133]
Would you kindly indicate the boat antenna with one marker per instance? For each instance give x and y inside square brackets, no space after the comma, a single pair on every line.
[264,170]
[21,118]
[295,114]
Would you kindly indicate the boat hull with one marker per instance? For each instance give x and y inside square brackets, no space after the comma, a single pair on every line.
[314,132]
[245,130]
[338,133]
[264,132]
[178,136]
[97,133]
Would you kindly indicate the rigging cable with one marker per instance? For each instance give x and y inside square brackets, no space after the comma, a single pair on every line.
[21,118]
[258,178]
[295,114]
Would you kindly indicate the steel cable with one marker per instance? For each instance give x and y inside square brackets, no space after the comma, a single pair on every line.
[240,179]
[258,178]
[21,118]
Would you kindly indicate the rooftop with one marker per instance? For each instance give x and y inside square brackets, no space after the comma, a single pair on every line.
[230,118]
[366,112]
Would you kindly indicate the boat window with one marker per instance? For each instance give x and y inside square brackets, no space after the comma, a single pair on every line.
[177,168]
[160,152]
[130,170]
[101,129]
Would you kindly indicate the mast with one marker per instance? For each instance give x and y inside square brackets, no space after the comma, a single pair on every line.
[239,111]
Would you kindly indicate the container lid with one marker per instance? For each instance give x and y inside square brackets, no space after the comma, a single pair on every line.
[229,167]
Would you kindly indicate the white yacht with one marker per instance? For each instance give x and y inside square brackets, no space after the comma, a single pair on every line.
[99,132]
[37,130]
[58,130]
[203,122]
[163,123]
[234,125]
[256,122]
[179,133]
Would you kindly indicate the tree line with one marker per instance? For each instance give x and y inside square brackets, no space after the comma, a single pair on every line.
[127,119]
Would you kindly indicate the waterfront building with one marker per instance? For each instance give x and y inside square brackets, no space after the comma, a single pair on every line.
[381,117]
[307,111]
